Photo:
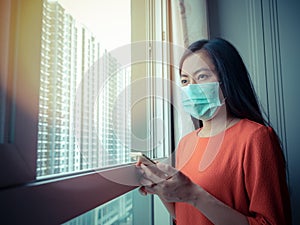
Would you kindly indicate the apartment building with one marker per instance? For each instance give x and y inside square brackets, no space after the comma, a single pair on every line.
[83,119]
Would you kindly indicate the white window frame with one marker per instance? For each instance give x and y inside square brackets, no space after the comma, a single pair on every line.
[24,199]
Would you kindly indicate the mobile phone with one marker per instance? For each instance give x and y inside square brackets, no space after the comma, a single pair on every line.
[146,159]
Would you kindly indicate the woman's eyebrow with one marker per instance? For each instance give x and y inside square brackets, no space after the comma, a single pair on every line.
[201,70]
[184,75]
[196,72]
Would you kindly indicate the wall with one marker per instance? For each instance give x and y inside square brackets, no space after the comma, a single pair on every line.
[289,15]
[266,34]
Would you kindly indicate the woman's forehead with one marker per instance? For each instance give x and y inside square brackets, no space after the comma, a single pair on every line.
[196,61]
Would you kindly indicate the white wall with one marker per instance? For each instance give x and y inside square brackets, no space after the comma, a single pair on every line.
[266,34]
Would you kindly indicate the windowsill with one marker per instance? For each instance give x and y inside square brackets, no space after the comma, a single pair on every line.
[54,201]
[113,173]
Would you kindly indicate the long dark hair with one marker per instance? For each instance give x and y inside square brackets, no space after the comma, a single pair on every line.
[235,83]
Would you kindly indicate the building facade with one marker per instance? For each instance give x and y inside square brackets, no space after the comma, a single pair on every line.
[83,106]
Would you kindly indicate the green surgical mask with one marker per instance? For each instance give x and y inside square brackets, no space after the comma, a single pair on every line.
[201,100]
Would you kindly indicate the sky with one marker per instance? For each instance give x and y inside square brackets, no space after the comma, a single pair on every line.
[109,20]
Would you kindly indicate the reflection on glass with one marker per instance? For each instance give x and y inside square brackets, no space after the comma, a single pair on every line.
[77,130]
[118,211]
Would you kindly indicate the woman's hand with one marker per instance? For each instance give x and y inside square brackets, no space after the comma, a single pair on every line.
[173,186]
[168,183]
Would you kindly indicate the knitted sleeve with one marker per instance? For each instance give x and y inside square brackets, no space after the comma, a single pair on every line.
[265,179]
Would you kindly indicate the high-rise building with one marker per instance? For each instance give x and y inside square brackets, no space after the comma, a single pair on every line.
[57,152]
[84,99]
[115,122]
[84,104]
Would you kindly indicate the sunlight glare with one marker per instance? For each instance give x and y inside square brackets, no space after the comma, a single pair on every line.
[109,20]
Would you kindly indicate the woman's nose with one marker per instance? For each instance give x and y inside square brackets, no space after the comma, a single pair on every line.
[192,81]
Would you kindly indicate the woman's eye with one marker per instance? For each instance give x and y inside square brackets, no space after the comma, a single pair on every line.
[202,77]
[184,81]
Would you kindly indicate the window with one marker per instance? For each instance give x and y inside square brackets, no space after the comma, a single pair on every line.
[80,84]
[117,211]
[64,145]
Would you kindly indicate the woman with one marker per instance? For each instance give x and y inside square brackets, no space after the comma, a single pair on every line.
[231,170]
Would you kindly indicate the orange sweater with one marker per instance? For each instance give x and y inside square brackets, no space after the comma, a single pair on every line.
[242,167]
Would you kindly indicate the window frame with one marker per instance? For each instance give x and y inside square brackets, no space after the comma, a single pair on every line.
[25,199]
[58,200]
[21,115]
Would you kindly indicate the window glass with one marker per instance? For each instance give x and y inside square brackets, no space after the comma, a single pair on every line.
[118,211]
[88,97]
[128,209]
[81,84]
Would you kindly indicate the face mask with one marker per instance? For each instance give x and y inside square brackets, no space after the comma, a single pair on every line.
[201,100]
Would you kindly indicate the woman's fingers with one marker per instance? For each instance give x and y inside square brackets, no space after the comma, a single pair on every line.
[151,189]
[143,191]
[165,181]
[146,182]
[143,159]
[158,179]
[170,170]
[154,174]
[143,179]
